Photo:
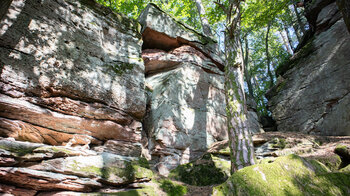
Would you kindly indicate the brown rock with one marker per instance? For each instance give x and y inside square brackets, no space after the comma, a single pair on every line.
[11,190]
[40,180]
[120,148]
[101,129]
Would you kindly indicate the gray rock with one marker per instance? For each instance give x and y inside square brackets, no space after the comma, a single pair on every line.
[71,73]
[312,96]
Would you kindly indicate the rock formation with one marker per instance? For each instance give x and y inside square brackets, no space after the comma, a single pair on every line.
[72,84]
[312,91]
[84,95]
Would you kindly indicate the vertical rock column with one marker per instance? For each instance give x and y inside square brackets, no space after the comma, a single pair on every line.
[185,83]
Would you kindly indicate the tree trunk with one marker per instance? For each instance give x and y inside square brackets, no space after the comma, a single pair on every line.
[300,22]
[246,67]
[268,60]
[204,20]
[286,42]
[241,145]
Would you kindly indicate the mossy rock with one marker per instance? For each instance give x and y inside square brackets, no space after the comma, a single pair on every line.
[127,172]
[18,148]
[343,151]
[288,175]
[288,64]
[345,169]
[333,162]
[206,171]
[171,188]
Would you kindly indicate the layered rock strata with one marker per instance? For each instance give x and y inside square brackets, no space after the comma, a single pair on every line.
[312,92]
[72,79]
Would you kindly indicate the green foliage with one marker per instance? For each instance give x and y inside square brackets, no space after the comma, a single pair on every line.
[183,10]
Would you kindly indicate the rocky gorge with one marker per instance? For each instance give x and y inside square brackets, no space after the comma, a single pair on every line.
[95,103]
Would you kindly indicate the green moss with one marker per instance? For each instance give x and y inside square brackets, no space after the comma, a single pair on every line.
[342,150]
[289,63]
[280,86]
[129,172]
[143,162]
[18,150]
[172,189]
[289,175]
[279,143]
[207,171]
[120,68]
[345,169]
[53,149]
[333,162]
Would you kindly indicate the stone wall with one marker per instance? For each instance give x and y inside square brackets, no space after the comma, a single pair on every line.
[312,92]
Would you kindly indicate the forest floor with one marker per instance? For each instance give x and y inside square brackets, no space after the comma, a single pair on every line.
[307,146]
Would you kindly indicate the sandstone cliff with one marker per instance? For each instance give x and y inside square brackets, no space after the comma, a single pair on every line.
[312,92]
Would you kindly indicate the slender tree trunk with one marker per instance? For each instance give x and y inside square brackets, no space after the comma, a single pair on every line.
[289,38]
[268,59]
[204,20]
[241,145]
[246,67]
[300,22]
[286,42]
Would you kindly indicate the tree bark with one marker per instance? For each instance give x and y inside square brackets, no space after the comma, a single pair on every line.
[268,59]
[286,42]
[300,22]
[241,145]
[246,67]
[204,20]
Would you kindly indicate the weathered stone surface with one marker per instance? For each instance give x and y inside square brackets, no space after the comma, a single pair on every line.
[312,95]
[187,114]
[71,73]
[15,108]
[40,180]
[290,175]
[161,31]
[11,190]
[344,7]
[186,97]
[120,148]
[106,168]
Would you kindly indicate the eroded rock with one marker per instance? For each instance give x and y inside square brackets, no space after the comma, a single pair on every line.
[72,74]
[312,93]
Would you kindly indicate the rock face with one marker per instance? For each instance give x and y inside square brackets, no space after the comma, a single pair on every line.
[74,112]
[186,91]
[71,76]
[312,92]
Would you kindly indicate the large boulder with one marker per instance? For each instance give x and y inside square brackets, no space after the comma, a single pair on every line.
[289,175]
[312,92]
